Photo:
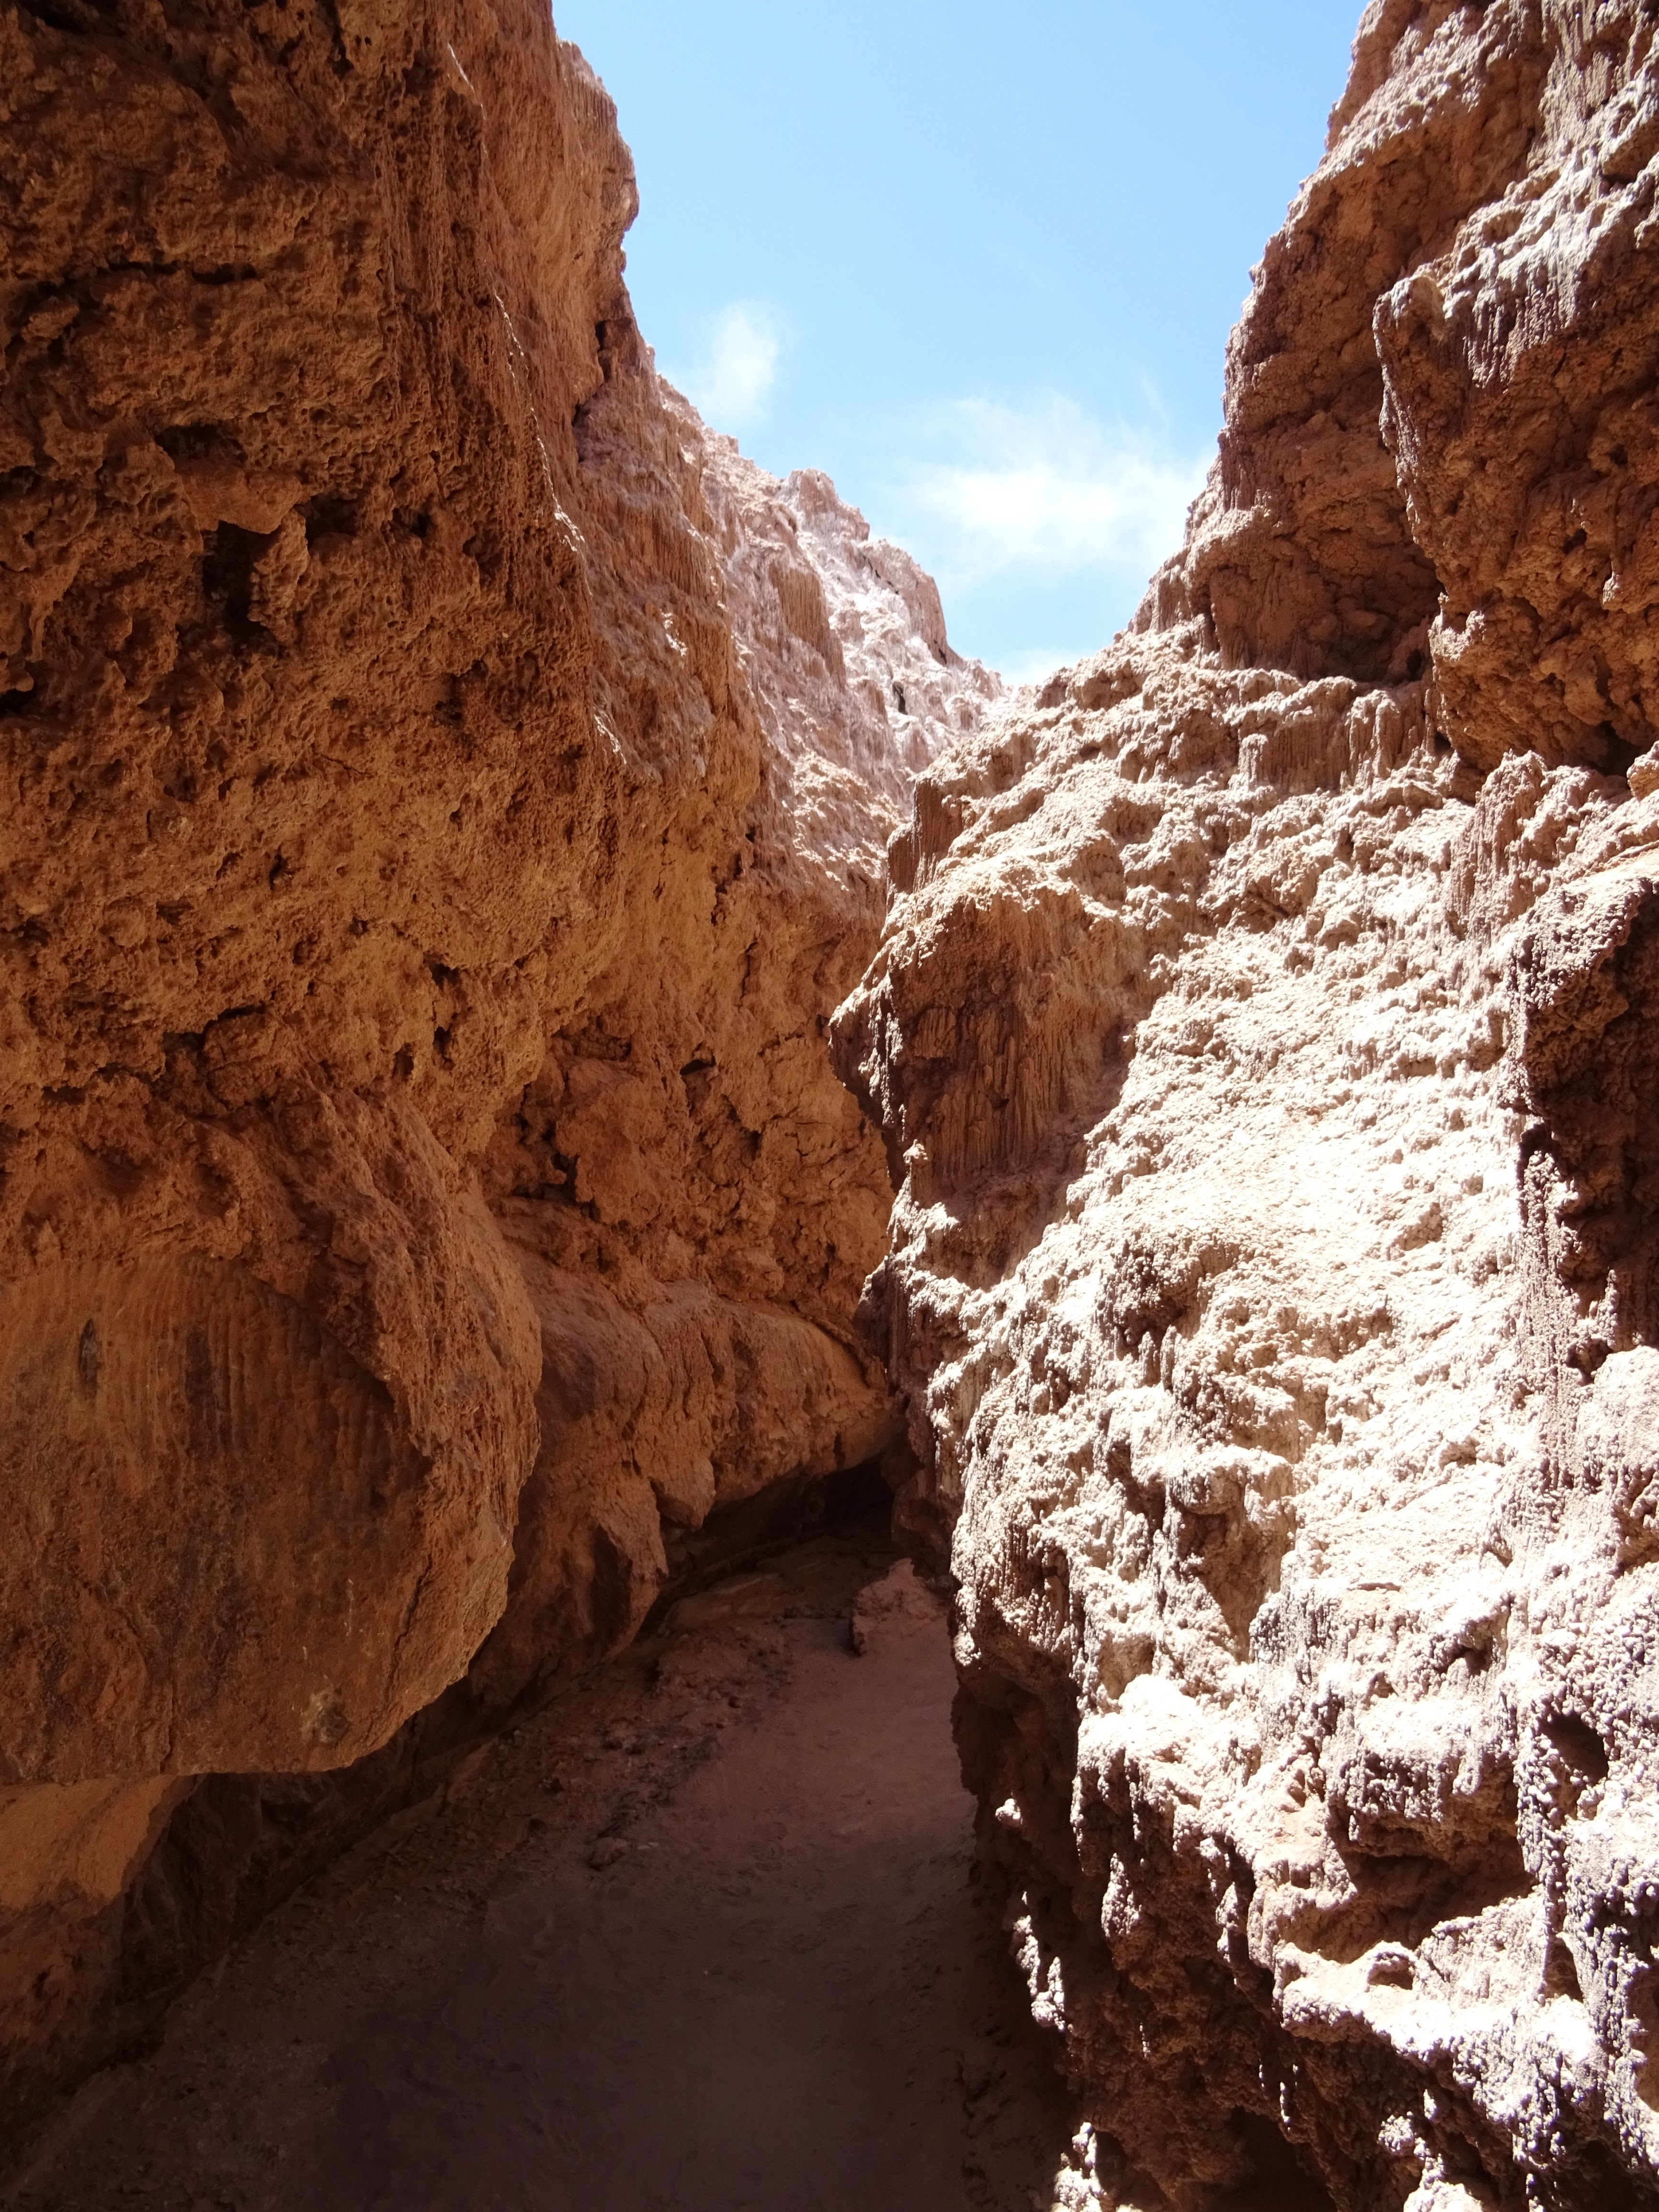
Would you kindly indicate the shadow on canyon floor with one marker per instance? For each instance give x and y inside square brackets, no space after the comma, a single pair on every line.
[702,1936]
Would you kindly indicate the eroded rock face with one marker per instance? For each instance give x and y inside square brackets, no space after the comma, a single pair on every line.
[258,1011]
[694,1198]
[1265,1028]
[423,1182]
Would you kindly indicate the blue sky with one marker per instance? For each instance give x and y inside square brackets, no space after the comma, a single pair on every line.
[979,265]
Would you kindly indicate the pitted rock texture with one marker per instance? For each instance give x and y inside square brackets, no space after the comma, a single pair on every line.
[842,637]
[697,1201]
[422,1181]
[1264,1031]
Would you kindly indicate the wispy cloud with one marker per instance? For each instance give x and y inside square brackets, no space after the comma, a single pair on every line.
[1036,664]
[733,380]
[1049,489]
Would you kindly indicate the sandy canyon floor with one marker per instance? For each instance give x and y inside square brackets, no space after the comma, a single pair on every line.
[704,1936]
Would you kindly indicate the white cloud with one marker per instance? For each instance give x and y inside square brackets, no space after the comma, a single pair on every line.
[1050,490]
[1034,665]
[734,379]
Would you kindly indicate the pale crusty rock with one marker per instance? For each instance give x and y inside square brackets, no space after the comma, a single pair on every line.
[422,1181]
[1264,1026]
[842,638]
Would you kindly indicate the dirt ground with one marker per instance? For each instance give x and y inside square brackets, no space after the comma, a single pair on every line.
[701,1937]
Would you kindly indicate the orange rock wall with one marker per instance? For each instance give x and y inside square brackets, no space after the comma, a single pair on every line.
[424,1197]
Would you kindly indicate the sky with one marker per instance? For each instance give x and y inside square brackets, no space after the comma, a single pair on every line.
[979,265]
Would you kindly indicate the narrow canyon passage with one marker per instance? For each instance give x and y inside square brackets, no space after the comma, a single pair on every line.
[732,1958]
[546,1009]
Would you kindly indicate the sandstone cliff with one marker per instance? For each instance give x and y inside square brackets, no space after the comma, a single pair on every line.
[1264,1032]
[424,1198]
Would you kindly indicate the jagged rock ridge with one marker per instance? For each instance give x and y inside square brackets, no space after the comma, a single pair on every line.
[424,1197]
[1264,1025]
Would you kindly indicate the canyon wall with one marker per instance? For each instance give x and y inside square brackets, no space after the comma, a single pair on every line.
[446,796]
[1264,1031]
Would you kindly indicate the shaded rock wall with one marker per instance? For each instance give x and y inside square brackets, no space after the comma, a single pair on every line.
[422,1180]
[697,1201]
[1264,1029]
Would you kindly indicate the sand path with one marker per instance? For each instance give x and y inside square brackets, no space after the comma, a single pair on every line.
[731,1958]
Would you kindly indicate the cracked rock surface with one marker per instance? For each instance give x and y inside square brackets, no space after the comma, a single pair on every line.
[1264,1032]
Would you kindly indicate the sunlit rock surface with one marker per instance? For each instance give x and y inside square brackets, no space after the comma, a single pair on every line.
[1264,1031]
[424,1196]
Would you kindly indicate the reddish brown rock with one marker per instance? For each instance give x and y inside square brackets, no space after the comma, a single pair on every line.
[697,1201]
[420,1166]
[295,719]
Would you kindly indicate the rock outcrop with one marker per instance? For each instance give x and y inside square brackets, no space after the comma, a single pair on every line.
[424,1196]
[1264,1031]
